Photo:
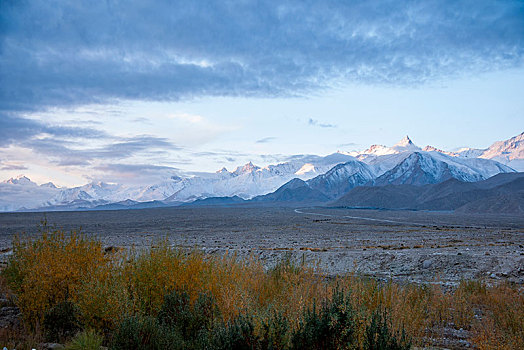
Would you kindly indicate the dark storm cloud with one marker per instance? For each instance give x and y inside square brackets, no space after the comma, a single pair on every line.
[59,53]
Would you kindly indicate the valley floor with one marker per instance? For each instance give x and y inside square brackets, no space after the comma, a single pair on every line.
[406,246]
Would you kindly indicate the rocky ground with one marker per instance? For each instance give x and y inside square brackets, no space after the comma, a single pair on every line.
[406,246]
[421,247]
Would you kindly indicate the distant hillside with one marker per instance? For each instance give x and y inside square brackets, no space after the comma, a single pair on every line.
[502,193]
[509,203]
[294,191]
[215,201]
[129,204]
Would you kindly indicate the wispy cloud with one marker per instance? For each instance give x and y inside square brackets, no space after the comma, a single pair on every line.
[219,153]
[68,153]
[142,120]
[12,166]
[314,122]
[132,173]
[266,140]
[15,129]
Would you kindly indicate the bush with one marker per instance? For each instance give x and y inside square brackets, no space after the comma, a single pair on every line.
[238,334]
[86,340]
[50,269]
[145,334]
[275,334]
[103,299]
[380,337]
[191,322]
[332,327]
[178,313]
[61,322]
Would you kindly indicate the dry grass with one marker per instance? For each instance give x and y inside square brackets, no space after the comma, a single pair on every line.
[109,286]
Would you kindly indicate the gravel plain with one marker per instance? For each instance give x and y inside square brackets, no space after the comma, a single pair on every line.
[406,246]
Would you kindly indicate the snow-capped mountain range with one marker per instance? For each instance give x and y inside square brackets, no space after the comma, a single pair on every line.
[332,175]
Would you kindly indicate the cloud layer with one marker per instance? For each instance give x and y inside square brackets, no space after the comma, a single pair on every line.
[65,54]
[56,53]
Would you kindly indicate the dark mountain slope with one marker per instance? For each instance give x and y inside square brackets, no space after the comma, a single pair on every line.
[484,196]
[509,203]
[295,190]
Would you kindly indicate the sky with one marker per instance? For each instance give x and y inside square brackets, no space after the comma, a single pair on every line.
[134,92]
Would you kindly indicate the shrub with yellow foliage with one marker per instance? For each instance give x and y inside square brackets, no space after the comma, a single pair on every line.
[50,269]
[111,288]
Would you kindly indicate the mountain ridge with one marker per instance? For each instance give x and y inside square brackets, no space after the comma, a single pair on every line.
[325,174]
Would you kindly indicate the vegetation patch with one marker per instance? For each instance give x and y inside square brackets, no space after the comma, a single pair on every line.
[70,290]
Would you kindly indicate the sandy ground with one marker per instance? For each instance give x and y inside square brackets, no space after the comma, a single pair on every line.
[422,247]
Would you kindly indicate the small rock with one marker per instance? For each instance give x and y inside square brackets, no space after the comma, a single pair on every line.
[426,264]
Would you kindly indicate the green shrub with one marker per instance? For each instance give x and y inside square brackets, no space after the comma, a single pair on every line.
[332,327]
[236,335]
[86,340]
[380,337]
[61,322]
[275,333]
[146,334]
[178,314]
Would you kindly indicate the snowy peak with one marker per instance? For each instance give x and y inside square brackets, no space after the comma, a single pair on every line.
[224,173]
[429,148]
[336,158]
[49,185]
[19,180]
[378,150]
[341,178]
[417,169]
[21,192]
[509,152]
[468,152]
[247,168]
[405,142]
[405,145]
[506,150]
[421,168]
[306,168]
